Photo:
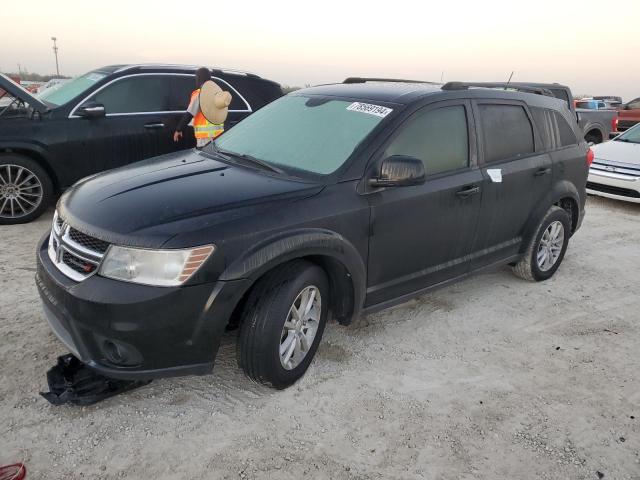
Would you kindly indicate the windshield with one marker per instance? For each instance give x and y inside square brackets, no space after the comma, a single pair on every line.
[64,93]
[632,135]
[311,134]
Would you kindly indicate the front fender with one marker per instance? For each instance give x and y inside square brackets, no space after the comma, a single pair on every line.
[334,252]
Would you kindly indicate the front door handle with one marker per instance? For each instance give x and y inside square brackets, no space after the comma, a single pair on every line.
[468,191]
[542,171]
[154,125]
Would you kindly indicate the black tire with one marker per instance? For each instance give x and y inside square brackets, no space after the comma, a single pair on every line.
[40,183]
[528,268]
[266,311]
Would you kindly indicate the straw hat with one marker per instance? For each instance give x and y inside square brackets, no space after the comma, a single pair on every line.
[214,102]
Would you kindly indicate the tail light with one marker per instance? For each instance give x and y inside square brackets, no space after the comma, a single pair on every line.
[614,124]
[590,156]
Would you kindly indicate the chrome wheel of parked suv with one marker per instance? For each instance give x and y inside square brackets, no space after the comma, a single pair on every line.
[25,189]
[283,323]
[546,248]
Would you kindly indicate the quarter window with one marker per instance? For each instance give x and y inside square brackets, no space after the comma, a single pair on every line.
[440,138]
[565,132]
[138,94]
[507,132]
[543,123]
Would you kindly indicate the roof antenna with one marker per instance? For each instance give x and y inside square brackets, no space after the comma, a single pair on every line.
[509,81]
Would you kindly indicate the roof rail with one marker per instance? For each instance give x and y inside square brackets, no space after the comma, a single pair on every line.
[396,80]
[503,85]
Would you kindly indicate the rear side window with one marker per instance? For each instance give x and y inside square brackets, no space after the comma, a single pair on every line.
[566,134]
[542,119]
[185,84]
[440,138]
[507,132]
[142,93]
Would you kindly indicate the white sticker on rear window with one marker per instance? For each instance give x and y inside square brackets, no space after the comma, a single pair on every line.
[377,110]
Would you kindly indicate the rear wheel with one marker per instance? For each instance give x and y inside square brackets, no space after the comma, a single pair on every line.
[546,248]
[283,323]
[25,189]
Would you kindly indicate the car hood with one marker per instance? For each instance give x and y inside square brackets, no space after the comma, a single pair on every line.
[20,93]
[145,204]
[617,151]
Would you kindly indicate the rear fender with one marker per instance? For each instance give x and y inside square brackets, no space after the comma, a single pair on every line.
[562,189]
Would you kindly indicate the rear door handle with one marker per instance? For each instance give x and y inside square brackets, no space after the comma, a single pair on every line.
[154,125]
[542,171]
[468,191]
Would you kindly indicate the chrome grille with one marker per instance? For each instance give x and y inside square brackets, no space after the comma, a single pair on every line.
[625,169]
[75,254]
[88,242]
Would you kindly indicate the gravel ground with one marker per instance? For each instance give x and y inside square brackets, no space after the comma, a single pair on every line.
[490,378]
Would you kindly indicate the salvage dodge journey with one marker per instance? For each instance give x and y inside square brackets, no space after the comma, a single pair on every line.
[330,202]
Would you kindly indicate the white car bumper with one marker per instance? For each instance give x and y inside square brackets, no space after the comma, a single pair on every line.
[620,186]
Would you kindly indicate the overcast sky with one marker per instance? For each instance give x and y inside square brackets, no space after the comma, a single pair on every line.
[591,45]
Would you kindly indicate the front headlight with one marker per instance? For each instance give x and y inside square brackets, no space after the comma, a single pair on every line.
[163,268]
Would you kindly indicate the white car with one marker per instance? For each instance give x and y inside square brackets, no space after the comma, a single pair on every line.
[615,171]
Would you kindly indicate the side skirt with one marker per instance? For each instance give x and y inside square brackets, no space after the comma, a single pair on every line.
[408,296]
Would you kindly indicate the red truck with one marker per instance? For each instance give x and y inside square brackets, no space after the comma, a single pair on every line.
[629,115]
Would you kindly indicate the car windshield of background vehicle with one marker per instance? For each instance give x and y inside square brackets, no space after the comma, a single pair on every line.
[309,134]
[631,136]
[70,90]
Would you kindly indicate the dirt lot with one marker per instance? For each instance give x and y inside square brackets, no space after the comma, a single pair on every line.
[491,378]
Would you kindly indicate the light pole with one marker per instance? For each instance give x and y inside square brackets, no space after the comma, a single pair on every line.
[55,52]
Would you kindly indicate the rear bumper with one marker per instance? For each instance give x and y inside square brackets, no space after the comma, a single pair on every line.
[136,332]
[614,185]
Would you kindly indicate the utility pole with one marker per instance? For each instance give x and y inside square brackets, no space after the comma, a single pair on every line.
[55,52]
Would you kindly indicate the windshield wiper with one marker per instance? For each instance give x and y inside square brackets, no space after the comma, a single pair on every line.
[250,159]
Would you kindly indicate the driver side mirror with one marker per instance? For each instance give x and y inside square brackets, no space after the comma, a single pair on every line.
[399,171]
[91,110]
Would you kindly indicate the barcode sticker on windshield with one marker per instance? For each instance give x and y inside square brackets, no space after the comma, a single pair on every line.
[376,110]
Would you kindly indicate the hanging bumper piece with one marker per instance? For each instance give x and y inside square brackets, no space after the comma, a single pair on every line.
[71,381]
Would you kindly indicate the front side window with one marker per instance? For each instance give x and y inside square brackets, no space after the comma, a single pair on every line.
[440,138]
[137,94]
[308,134]
[507,132]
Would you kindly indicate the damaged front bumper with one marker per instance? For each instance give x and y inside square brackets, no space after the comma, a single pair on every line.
[136,332]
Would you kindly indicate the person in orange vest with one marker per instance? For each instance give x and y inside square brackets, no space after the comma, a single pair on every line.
[205,129]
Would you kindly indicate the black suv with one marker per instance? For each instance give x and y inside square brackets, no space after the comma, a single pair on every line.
[106,118]
[332,200]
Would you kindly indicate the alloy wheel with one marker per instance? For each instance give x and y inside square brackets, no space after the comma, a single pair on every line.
[300,327]
[20,191]
[550,246]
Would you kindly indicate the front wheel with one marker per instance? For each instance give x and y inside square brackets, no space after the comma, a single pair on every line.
[25,189]
[283,323]
[546,248]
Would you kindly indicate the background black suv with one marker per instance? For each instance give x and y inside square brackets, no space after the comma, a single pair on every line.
[106,118]
[366,194]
